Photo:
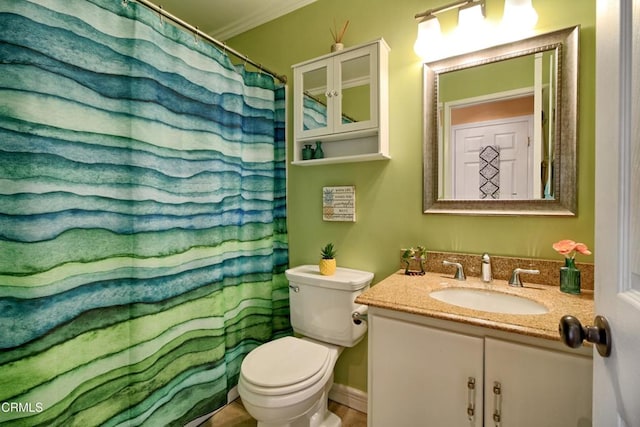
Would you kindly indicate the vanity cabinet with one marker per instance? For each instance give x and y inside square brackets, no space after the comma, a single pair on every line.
[341,101]
[421,375]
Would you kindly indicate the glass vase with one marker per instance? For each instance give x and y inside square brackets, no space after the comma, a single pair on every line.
[318,153]
[307,152]
[570,277]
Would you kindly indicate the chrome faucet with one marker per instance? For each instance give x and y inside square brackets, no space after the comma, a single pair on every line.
[459,270]
[487,276]
[515,276]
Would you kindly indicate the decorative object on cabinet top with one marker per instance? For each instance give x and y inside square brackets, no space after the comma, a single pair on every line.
[570,276]
[327,264]
[412,257]
[338,35]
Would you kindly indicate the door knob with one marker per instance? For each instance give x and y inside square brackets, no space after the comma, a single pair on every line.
[573,333]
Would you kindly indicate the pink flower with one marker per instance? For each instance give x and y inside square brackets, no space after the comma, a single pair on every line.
[568,248]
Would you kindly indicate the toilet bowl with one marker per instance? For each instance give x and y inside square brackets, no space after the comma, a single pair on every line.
[286,382]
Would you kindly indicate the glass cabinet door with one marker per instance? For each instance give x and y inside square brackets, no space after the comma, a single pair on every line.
[315,119]
[355,104]
[337,94]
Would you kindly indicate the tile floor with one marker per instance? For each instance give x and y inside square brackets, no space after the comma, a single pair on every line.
[234,415]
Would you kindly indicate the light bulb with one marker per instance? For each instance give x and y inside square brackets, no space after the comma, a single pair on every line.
[519,14]
[472,32]
[471,17]
[429,37]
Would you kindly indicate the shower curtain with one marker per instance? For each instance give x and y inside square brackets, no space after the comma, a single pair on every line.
[142,216]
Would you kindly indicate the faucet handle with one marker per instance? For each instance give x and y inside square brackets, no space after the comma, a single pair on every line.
[459,270]
[515,276]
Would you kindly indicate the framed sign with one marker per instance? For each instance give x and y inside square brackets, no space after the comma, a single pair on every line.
[339,203]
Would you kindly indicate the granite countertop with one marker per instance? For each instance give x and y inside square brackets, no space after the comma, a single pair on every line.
[410,294]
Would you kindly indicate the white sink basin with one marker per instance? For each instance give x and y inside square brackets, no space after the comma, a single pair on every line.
[492,301]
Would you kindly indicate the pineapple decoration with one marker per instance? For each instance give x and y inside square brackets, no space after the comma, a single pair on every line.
[328,261]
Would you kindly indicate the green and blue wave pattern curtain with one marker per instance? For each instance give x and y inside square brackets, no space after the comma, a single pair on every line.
[142,216]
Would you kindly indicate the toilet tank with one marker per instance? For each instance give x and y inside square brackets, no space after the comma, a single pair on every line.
[321,306]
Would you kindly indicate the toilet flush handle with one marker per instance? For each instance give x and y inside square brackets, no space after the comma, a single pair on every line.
[360,315]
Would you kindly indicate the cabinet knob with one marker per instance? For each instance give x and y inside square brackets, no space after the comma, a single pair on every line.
[573,333]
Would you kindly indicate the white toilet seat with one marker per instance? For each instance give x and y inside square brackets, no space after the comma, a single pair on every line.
[285,366]
[275,399]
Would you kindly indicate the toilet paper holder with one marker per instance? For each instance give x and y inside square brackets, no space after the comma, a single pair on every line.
[360,315]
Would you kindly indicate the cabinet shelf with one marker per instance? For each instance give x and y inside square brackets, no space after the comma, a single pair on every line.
[343,136]
[341,99]
[342,159]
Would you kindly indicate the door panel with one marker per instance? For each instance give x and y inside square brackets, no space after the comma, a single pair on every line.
[316,81]
[420,375]
[357,78]
[535,386]
[616,387]
[512,138]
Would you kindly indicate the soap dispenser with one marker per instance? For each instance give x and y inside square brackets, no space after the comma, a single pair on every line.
[486,268]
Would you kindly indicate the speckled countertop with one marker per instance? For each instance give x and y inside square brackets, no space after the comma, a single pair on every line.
[410,294]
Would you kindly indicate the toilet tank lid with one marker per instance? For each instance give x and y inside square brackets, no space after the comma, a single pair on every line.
[344,278]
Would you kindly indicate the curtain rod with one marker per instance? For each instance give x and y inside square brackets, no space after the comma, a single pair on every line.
[210,39]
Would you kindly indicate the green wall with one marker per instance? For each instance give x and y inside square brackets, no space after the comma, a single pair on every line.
[516,73]
[495,77]
[389,193]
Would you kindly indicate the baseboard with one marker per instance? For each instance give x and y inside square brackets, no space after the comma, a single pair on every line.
[342,394]
[349,396]
[231,396]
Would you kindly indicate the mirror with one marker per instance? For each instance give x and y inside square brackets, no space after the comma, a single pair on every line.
[500,129]
[354,95]
[314,103]
[356,89]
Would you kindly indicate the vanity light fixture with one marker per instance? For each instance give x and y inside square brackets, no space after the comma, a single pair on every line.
[472,31]
[429,36]
[470,13]
[519,14]
[471,16]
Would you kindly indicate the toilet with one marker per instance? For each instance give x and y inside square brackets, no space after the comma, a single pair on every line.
[286,382]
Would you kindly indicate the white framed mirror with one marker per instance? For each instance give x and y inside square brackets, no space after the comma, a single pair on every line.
[500,129]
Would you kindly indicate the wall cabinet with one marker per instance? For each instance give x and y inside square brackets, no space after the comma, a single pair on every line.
[341,100]
[421,375]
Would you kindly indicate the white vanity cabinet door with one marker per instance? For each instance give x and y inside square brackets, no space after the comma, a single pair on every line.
[419,375]
[538,387]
